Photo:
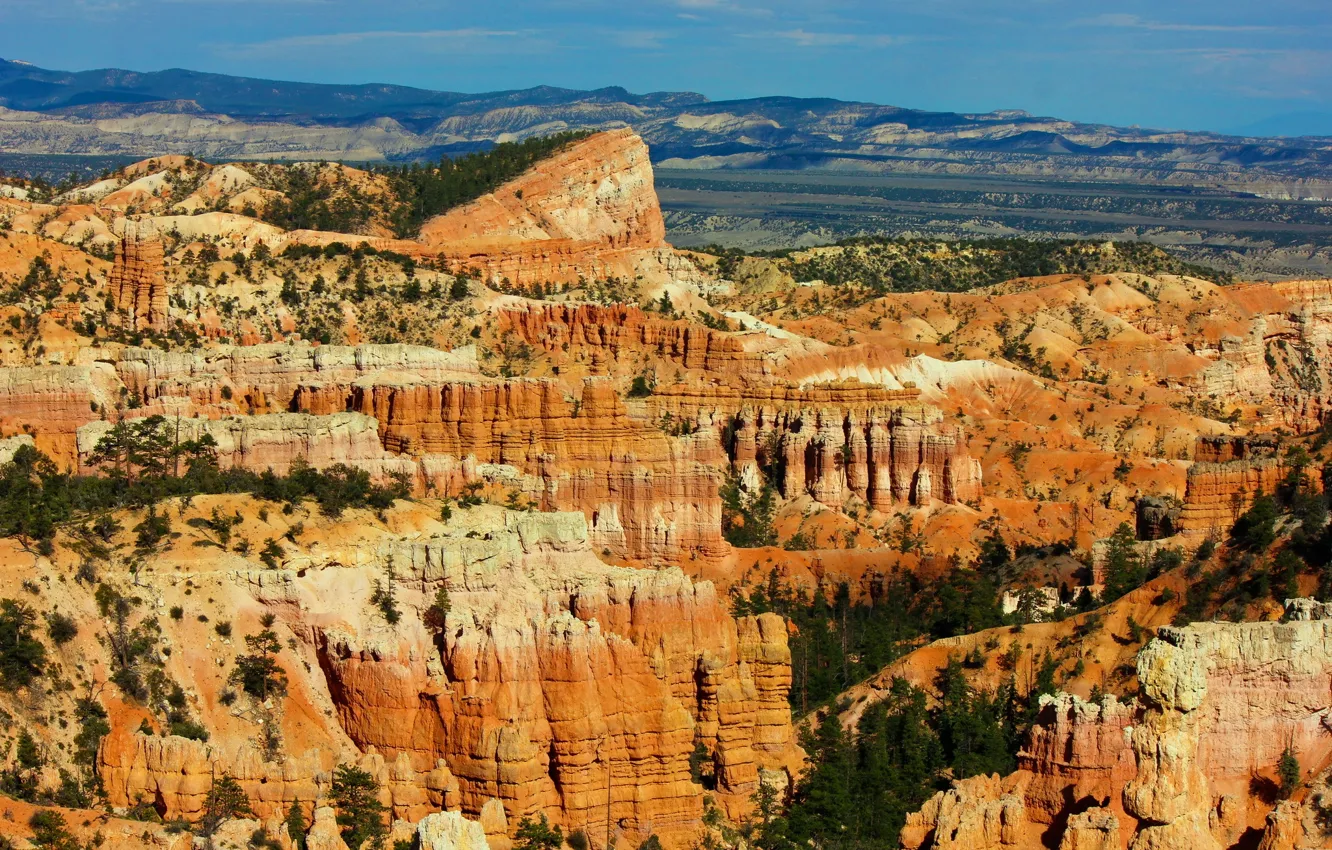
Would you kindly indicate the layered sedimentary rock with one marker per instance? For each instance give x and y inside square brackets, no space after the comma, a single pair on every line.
[276,441]
[559,681]
[1220,703]
[556,683]
[589,211]
[267,378]
[137,282]
[884,456]
[51,402]
[693,399]
[1292,334]
[620,329]
[1157,518]
[1229,473]
[1170,795]
[175,774]
[1077,751]
[975,814]
[647,494]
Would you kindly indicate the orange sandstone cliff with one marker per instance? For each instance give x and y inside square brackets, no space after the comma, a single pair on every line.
[557,680]
[588,211]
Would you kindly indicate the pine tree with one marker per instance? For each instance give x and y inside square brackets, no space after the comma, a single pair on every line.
[360,813]
[226,800]
[296,827]
[1288,772]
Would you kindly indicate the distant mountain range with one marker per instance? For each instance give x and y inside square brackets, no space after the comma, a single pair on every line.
[117,112]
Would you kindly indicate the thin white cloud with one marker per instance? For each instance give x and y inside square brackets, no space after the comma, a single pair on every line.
[1123,21]
[801,37]
[696,9]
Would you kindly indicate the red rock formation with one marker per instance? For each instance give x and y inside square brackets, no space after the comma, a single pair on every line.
[1221,701]
[691,399]
[276,441]
[588,211]
[557,672]
[646,494]
[554,669]
[175,774]
[1230,473]
[884,456]
[1077,751]
[621,329]
[137,281]
[51,402]
[1293,327]
[266,378]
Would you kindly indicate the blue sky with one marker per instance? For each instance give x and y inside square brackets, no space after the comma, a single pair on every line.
[1225,64]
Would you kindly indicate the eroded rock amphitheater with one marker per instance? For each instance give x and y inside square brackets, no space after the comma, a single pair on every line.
[326,526]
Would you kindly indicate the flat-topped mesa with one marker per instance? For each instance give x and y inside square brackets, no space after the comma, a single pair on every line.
[589,211]
[1230,473]
[1176,769]
[587,331]
[137,281]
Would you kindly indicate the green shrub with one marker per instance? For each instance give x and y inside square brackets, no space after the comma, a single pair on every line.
[61,628]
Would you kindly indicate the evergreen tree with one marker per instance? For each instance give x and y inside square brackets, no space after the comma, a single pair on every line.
[1124,568]
[296,827]
[537,835]
[258,672]
[1255,530]
[1288,772]
[226,800]
[22,656]
[359,811]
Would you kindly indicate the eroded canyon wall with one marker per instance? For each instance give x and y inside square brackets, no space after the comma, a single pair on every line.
[1178,767]
[556,681]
